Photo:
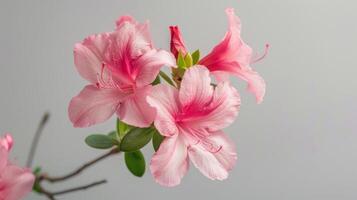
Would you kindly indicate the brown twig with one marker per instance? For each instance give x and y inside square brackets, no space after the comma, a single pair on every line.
[78,170]
[52,195]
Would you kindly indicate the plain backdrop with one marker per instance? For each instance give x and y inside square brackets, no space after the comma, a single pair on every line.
[300,143]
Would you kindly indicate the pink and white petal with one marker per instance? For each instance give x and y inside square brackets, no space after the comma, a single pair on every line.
[19,182]
[256,84]
[149,65]
[3,158]
[207,163]
[231,48]
[90,55]
[6,142]
[214,165]
[196,89]
[221,76]
[164,98]
[94,105]
[227,155]
[141,28]
[135,110]
[177,44]
[170,163]
[222,110]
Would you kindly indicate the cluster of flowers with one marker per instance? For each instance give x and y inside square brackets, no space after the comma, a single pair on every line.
[189,111]
[122,67]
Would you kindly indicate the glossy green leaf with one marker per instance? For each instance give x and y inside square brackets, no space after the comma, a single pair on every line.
[100,141]
[195,57]
[188,60]
[156,140]
[166,78]
[113,135]
[122,129]
[136,138]
[157,80]
[135,162]
[181,61]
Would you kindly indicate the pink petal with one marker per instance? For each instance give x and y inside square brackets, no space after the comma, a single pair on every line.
[3,158]
[135,110]
[170,163]
[177,44]
[18,182]
[222,110]
[149,65]
[214,165]
[256,83]
[196,89]
[142,29]
[94,105]
[6,142]
[164,98]
[90,55]
[232,55]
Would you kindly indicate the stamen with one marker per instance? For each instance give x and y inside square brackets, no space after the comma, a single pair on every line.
[264,54]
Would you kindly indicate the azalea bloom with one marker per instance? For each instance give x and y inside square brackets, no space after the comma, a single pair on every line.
[230,57]
[15,182]
[191,119]
[120,66]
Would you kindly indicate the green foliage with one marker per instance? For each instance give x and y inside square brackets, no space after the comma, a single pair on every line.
[135,162]
[99,141]
[195,57]
[181,61]
[166,78]
[156,140]
[157,80]
[188,60]
[122,129]
[136,138]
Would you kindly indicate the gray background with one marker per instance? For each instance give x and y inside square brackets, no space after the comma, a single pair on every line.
[299,144]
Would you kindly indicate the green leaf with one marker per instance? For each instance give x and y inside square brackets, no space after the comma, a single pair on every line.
[100,141]
[37,170]
[136,139]
[181,61]
[188,60]
[156,140]
[113,135]
[122,129]
[135,162]
[166,78]
[157,80]
[195,57]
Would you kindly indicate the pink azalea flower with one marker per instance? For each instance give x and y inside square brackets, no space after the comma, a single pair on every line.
[230,56]
[15,182]
[120,67]
[191,119]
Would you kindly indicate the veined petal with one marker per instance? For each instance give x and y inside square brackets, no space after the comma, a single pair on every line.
[214,165]
[233,56]
[90,55]
[94,105]
[196,89]
[164,98]
[177,44]
[170,163]
[142,29]
[149,65]
[135,110]
[222,110]
[256,83]
[18,182]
